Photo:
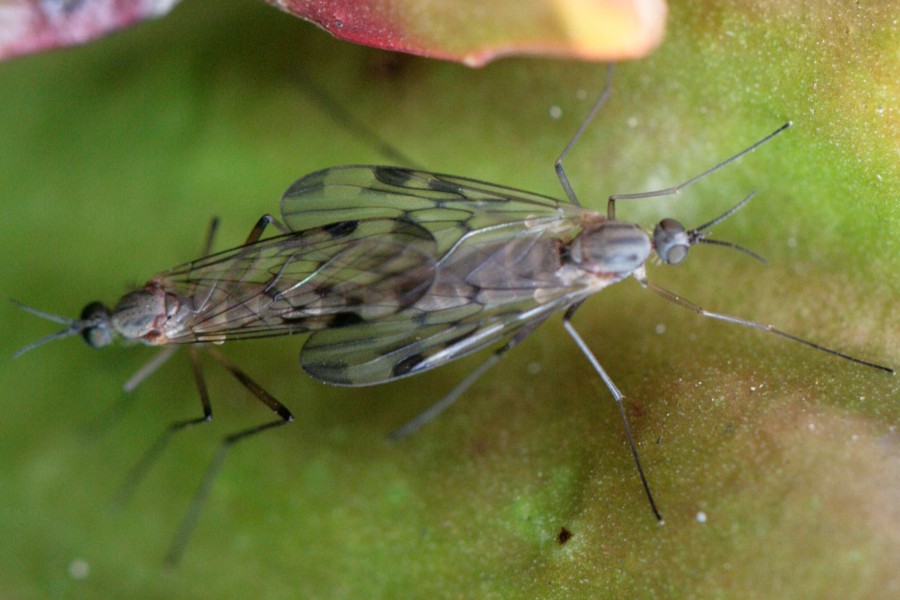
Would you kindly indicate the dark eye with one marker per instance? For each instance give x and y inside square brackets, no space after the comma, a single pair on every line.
[671,241]
[96,332]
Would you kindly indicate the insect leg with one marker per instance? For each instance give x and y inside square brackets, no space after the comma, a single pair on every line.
[260,227]
[115,412]
[447,401]
[199,499]
[560,170]
[149,368]
[671,191]
[357,128]
[617,396]
[265,397]
[210,236]
[672,297]
[139,470]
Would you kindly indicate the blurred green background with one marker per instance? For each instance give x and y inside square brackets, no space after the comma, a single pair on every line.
[116,155]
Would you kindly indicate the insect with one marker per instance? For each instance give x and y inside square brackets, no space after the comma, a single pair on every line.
[395,271]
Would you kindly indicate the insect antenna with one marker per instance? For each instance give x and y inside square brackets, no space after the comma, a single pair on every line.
[73,327]
[734,246]
[698,237]
[672,242]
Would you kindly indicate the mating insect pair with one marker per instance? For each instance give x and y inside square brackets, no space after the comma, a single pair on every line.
[394,272]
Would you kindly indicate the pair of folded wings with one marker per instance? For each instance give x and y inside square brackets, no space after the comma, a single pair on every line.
[394,271]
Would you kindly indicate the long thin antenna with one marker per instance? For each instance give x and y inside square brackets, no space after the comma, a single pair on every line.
[73,327]
[696,235]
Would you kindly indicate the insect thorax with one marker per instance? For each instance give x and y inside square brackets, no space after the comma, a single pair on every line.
[147,314]
[610,247]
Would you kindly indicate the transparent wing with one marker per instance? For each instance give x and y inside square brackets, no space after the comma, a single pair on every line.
[412,342]
[497,270]
[449,207]
[395,271]
[322,277]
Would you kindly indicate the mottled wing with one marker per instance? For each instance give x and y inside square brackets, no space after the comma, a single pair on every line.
[449,207]
[321,277]
[496,273]
[411,342]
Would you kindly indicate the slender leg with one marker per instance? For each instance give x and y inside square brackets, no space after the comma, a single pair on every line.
[358,129]
[447,401]
[211,236]
[560,170]
[114,413]
[671,191]
[254,236]
[139,471]
[262,395]
[189,521]
[260,227]
[149,368]
[672,297]
[617,396]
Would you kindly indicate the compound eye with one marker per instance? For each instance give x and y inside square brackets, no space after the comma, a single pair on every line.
[671,241]
[97,336]
[96,333]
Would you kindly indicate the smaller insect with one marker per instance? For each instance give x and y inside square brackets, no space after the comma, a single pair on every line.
[397,271]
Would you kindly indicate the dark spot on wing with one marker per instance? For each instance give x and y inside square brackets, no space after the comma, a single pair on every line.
[439,185]
[345,319]
[342,229]
[405,366]
[563,536]
[392,175]
[332,371]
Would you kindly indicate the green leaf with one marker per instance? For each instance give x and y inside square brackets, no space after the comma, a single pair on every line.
[115,156]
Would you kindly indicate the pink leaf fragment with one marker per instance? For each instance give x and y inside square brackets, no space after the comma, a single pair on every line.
[475,32]
[28,26]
